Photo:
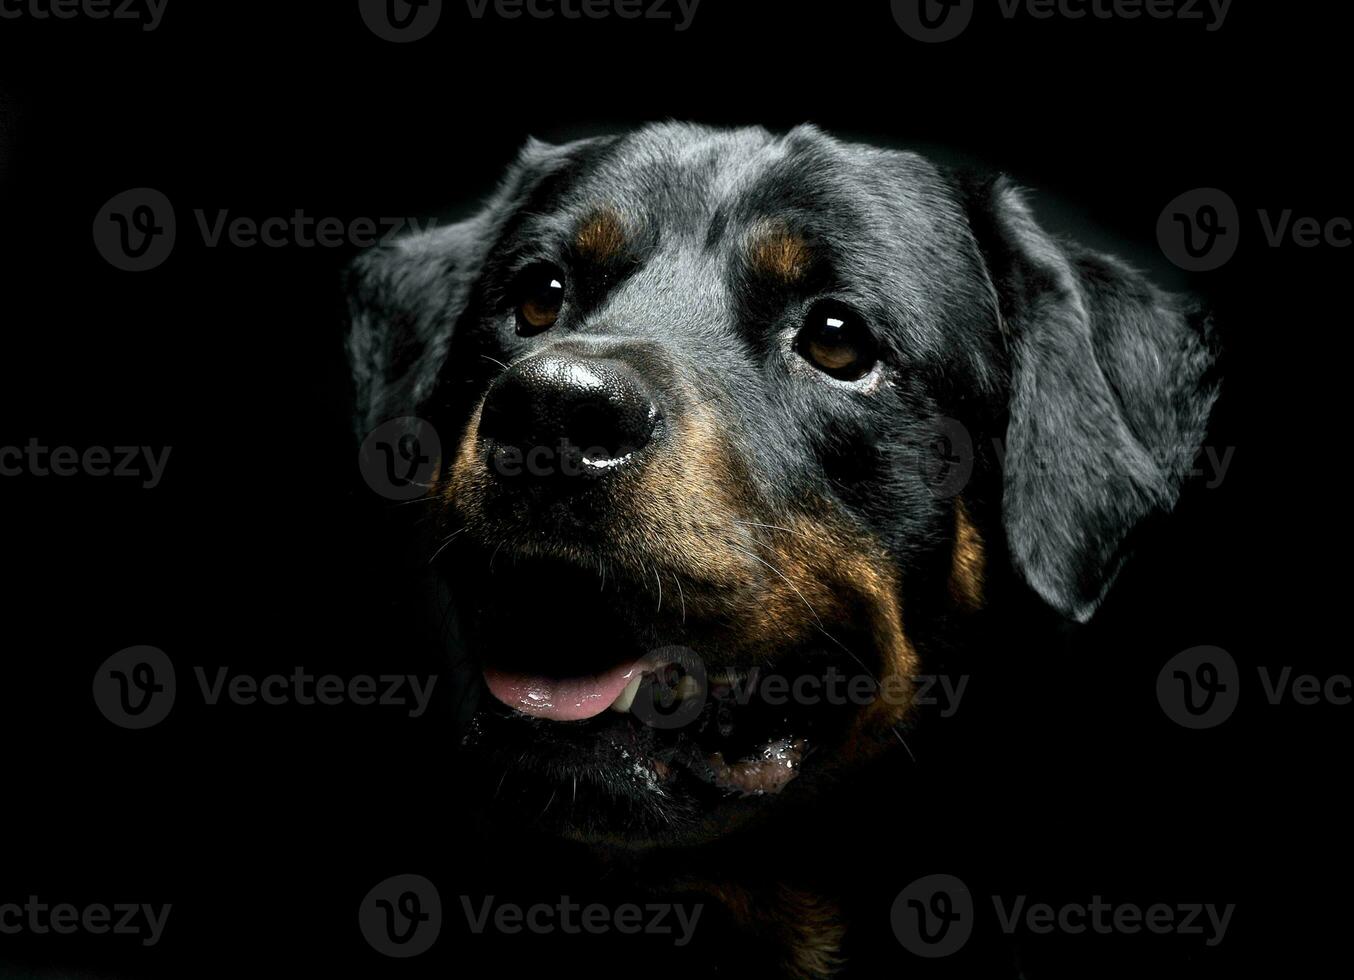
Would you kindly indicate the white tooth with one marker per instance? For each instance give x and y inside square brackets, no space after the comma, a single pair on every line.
[627,697]
[686,687]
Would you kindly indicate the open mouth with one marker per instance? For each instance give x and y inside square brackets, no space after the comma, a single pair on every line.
[674,719]
[606,699]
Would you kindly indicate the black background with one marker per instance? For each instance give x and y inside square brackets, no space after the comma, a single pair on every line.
[264,827]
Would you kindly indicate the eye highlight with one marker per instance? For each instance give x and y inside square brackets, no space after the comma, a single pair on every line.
[540,292]
[835,340]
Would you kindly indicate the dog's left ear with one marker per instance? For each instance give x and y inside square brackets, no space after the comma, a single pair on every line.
[405,297]
[1111,386]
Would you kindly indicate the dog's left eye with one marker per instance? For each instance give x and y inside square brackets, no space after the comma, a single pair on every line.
[541,291]
[836,341]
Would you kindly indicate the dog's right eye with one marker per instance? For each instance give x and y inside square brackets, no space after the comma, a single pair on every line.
[541,291]
[836,341]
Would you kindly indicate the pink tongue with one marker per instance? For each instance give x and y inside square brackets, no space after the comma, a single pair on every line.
[560,698]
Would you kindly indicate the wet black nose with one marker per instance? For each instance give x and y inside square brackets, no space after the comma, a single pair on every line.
[556,415]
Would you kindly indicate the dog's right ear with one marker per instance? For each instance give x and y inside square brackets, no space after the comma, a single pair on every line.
[405,297]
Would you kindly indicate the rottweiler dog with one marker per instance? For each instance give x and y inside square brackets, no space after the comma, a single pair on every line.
[719,409]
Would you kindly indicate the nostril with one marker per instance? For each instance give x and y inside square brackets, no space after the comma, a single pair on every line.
[558,414]
[611,429]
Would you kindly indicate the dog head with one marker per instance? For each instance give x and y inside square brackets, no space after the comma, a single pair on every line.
[690,385]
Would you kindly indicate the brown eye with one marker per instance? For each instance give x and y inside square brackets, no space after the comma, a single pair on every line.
[541,288]
[835,340]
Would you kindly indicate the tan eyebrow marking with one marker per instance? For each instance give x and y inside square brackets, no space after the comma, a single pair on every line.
[777,252]
[601,235]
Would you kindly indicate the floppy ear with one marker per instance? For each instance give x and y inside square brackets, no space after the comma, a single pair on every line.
[405,297]
[1110,391]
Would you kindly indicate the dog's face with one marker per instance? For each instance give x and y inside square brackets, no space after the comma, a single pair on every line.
[689,386]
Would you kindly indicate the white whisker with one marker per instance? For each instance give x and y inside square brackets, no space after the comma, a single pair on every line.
[771,527]
[445,543]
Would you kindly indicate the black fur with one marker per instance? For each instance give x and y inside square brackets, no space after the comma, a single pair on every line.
[1080,393]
